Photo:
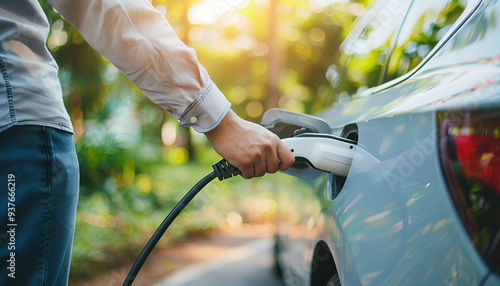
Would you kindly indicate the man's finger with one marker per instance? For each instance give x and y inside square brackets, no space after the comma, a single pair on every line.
[260,167]
[272,163]
[285,156]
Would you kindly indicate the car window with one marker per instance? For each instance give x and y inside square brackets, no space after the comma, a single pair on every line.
[426,24]
[365,49]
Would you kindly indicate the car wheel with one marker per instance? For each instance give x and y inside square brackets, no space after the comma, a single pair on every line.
[278,270]
[334,281]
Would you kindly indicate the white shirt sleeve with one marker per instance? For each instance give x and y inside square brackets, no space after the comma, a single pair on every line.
[140,42]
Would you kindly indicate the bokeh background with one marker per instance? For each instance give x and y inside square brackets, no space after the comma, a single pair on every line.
[136,162]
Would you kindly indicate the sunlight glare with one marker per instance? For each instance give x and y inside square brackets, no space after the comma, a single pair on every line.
[318,5]
[208,12]
[245,42]
[168,133]
[261,49]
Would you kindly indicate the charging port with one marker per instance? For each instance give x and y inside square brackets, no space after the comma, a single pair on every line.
[335,183]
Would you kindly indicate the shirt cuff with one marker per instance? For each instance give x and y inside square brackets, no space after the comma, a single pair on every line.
[207,111]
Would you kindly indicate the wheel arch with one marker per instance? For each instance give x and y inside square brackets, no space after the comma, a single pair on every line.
[323,265]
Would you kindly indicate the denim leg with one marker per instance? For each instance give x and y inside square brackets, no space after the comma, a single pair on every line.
[36,229]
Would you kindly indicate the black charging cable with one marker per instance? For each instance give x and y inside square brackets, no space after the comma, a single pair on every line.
[222,170]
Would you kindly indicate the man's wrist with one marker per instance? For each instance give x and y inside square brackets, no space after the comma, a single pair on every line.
[225,124]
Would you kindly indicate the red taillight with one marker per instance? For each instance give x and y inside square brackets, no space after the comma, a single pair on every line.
[470,158]
[479,156]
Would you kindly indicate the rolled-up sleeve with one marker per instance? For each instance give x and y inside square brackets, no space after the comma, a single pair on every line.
[140,42]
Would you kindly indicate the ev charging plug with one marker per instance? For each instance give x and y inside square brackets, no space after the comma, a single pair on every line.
[323,152]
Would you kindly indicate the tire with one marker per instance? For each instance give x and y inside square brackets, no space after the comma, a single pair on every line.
[277,269]
[334,281]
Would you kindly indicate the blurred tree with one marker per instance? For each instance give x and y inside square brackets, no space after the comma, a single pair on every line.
[274,57]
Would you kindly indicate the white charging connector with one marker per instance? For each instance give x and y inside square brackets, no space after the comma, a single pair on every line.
[323,152]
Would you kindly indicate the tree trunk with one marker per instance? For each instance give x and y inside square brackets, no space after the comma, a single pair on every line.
[274,57]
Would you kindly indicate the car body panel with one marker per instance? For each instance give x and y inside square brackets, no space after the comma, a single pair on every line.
[394,223]
[397,215]
[492,281]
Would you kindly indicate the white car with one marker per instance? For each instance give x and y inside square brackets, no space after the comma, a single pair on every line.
[418,89]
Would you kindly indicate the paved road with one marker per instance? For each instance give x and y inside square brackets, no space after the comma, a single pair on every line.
[247,265]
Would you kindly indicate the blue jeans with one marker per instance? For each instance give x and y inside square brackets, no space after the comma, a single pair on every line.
[39,180]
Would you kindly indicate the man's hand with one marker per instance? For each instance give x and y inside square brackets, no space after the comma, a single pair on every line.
[249,147]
